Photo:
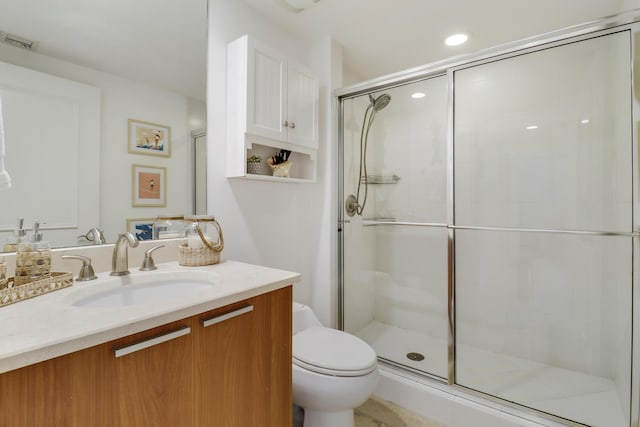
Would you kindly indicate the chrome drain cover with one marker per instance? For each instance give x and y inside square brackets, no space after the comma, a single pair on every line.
[416,357]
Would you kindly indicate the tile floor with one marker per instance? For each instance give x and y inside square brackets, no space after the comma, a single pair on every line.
[378,413]
[381,413]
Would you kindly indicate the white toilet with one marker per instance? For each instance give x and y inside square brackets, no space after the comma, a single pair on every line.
[333,371]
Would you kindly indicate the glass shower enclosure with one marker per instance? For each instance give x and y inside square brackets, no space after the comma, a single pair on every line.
[490,244]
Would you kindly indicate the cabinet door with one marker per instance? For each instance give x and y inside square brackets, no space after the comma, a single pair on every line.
[303,104]
[153,377]
[72,391]
[266,93]
[243,363]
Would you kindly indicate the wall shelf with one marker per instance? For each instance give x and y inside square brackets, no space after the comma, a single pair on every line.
[269,178]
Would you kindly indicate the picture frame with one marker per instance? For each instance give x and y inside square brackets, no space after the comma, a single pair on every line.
[148,186]
[148,138]
[141,228]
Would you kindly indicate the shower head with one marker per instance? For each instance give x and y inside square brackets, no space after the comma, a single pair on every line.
[380,102]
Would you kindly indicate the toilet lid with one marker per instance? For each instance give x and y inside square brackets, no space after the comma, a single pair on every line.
[332,352]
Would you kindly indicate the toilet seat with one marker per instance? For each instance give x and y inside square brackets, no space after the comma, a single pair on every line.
[332,352]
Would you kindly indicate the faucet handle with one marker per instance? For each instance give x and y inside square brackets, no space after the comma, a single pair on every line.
[148,263]
[86,271]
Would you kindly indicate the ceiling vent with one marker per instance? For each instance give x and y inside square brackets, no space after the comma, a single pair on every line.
[17,41]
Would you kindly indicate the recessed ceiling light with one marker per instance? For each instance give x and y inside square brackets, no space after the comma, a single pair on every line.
[456,39]
[532,127]
[584,121]
[418,95]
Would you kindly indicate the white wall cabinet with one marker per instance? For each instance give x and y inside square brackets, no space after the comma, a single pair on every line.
[273,104]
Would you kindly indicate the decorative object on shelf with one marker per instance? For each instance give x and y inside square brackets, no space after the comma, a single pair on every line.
[280,163]
[255,165]
[204,242]
[148,186]
[14,293]
[149,138]
[141,228]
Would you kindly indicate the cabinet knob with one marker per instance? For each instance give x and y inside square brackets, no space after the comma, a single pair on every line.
[285,124]
[292,125]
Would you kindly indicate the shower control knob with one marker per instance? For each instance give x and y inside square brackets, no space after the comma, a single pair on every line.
[285,124]
[292,125]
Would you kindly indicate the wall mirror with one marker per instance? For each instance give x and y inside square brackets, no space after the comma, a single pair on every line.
[83,86]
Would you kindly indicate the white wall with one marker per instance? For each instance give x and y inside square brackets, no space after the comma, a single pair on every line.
[123,99]
[287,226]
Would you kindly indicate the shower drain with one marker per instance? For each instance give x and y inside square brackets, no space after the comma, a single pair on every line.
[416,357]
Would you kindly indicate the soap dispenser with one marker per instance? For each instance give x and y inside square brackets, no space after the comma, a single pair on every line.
[33,259]
[18,236]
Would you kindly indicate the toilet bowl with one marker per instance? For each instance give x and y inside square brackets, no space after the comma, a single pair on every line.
[333,371]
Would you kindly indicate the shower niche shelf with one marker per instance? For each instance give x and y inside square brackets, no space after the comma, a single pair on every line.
[380,179]
[272,105]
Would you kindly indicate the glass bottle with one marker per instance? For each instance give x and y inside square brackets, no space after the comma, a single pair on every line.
[33,258]
[19,235]
[203,231]
[168,227]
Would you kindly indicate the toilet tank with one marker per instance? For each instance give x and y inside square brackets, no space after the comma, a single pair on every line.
[303,318]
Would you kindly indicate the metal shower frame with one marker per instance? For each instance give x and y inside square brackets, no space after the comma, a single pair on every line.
[628,21]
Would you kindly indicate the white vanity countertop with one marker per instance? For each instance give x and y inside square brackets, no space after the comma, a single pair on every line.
[51,325]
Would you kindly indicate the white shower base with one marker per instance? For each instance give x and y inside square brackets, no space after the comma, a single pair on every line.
[563,392]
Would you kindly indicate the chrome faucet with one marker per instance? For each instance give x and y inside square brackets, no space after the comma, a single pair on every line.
[120,260]
[95,236]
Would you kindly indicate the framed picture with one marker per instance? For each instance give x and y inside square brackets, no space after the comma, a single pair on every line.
[142,228]
[149,138]
[148,186]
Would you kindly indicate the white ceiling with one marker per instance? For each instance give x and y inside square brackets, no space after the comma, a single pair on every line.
[164,42]
[160,42]
[385,36]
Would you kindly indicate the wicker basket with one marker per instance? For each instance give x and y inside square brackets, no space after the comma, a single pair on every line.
[15,293]
[209,253]
[32,266]
[191,257]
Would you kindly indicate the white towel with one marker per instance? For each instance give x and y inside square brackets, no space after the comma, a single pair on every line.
[5,179]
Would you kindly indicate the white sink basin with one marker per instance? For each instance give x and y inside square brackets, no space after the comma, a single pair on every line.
[150,292]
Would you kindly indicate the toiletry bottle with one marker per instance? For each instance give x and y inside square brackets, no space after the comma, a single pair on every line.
[18,236]
[33,259]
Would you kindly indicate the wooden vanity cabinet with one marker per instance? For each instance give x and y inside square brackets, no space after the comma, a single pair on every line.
[65,391]
[153,386]
[234,372]
[243,378]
